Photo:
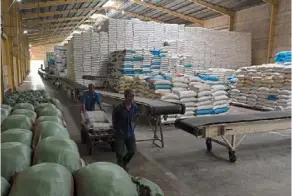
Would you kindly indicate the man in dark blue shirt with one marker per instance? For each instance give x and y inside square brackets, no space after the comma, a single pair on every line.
[122,118]
[90,98]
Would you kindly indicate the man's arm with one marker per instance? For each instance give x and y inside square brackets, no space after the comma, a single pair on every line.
[83,103]
[115,117]
[98,101]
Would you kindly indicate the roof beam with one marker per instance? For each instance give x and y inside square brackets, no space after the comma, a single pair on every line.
[141,17]
[272,2]
[30,5]
[170,12]
[213,7]
[48,25]
[55,13]
[46,21]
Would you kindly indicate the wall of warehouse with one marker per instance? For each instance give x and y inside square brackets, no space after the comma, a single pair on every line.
[14,45]
[257,21]
[39,52]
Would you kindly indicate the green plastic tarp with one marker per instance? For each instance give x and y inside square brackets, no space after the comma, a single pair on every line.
[29,113]
[44,105]
[45,179]
[46,129]
[58,150]
[147,188]
[4,114]
[17,121]
[5,187]
[6,107]
[23,136]
[50,111]
[15,157]
[57,103]
[104,179]
[27,106]
[55,119]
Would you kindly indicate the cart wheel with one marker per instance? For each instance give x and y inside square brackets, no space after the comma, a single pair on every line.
[83,138]
[209,144]
[232,156]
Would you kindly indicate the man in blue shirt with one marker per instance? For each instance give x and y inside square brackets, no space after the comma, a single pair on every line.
[122,118]
[90,98]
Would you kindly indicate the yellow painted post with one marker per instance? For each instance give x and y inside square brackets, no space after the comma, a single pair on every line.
[274,12]
[8,30]
[231,22]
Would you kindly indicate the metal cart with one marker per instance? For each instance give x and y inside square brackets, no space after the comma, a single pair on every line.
[94,136]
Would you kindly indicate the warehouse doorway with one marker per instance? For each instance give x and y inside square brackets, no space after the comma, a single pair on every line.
[35,65]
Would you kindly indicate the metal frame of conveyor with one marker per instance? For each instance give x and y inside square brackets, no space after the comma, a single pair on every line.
[73,89]
[145,108]
[229,131]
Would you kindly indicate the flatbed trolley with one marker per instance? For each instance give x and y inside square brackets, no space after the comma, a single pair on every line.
[209,127]
[93,136]
[151,109]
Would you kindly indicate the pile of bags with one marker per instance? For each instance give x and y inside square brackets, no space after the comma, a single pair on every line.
[266,86]
[220,98]
[204,106]
[125,82]
[188,98]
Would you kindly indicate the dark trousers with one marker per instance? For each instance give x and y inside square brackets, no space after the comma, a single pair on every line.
[124,158]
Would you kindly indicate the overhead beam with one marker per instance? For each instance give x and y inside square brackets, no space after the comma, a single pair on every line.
[213,7]
[46,21]
[48,25]
[30,5]
[170,12]
[272,2]
[141,17]
[55,13]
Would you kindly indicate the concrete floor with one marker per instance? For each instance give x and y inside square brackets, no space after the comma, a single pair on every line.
[184,168]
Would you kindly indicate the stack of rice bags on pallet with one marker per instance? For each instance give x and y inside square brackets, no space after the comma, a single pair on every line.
[220,99]
[186,96]
[156,62]
[159,86]
[204,105]
[125,82]
[140,87]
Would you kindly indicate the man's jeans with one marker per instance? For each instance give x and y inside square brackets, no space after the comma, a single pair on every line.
[124,158]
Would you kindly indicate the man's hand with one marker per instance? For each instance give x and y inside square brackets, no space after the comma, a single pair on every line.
[84,110]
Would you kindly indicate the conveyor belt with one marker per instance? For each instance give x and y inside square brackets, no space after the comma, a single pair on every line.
[190,125]
[73,84]
[158,107]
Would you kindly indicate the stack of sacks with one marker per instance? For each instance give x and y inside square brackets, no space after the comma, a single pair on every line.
[220,98]
[234,95]
[284,99]
[156,61]
[244,92]
[140,87]
[188,98]
[146,64]
[204,105]
[125,82]
[161,86]
[179,84]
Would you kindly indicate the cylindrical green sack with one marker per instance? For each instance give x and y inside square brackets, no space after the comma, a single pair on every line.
[147,188]
[29,113]
[50,111]
[104,179]
[17,121]
[50,119]
[6,107]
[45,179]
[15,157]
[44,105]
[47,129]
[27,106]
[57,103]
[58,150]
[4,114]
[5,187]
[23,136]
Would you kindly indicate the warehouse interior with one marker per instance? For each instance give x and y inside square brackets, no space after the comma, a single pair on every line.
[202,39]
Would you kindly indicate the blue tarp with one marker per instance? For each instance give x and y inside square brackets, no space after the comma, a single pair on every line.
[283,57]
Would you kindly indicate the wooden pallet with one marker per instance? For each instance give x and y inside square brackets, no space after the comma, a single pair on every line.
[258,108]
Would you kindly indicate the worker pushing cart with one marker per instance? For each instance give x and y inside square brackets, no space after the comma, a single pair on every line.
[90,98]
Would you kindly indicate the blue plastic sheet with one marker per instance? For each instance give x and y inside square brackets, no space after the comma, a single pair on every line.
[283,57]
[272,97]
[208,77]
[221,110]
[204,112]
[162,86]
